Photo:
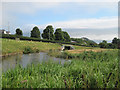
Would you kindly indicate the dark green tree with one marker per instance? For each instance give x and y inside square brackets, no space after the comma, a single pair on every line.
[48,33]
[118,43]
[111,45]
[35,32]
[19,32]
[59,34]
[115,41]
[103,44]
[66,36]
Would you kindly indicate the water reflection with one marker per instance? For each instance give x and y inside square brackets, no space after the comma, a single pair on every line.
[25,59]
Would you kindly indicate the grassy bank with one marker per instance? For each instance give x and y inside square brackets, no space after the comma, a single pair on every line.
[98,70]
[82,52]
[14,46]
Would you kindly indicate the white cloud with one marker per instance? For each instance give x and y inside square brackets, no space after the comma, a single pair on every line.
[94,23]
[11,9]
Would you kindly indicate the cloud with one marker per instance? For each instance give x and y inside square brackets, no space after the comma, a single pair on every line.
[88,26]
[27,7]
[94,23]
[104,28]
[12,10]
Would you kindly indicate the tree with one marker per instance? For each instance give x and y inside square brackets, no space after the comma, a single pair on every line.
[118,43]
[35,32]
[19,32]
[115,41]
[48,33]
[104,41]
[103,44]
[66,36]
[111,45]
[59,34]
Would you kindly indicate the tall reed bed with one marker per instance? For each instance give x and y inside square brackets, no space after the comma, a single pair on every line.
[98,70]
[103,55]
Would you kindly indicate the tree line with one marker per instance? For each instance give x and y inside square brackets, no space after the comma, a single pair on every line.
[114,44]
[48,33]
[62,36]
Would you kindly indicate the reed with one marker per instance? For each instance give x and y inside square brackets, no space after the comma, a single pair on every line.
[96,70]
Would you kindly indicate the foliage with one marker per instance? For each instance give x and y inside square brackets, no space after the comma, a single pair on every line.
[48,33]
[115,44]
[98,70]
[35,32]
[84,41]
[59,35]
[87,54]
[27,50]
[103,44]
[36,39]
[115,41]
[19,32]
[66,36]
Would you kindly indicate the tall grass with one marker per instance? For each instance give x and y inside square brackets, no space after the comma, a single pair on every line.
[98,70]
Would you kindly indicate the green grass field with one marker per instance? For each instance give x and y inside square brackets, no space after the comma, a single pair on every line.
[13,46]
[87,69]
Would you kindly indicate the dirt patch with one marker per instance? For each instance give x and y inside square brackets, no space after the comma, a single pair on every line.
[82,50]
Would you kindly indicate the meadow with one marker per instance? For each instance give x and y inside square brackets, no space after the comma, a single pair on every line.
[87,69]
[18,46]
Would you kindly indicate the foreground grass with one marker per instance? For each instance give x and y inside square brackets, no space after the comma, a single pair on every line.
[94,70]
[13,46]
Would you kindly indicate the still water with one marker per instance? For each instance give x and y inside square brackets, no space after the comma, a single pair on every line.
[25,59]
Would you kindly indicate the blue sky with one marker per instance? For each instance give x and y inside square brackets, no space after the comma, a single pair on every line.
[95,20]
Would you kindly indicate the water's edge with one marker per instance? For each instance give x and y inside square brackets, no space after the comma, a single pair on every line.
[25,59]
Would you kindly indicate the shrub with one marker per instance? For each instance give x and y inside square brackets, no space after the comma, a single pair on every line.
[27,50]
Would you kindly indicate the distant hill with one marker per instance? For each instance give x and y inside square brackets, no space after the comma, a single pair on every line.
[84,41]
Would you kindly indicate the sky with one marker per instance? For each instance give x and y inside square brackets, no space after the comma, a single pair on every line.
[84,18]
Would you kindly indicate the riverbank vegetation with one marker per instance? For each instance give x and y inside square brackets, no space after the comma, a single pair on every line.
[90,67]
[90,70]
[78,51]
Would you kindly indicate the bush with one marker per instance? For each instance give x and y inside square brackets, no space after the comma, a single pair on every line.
[27,50]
